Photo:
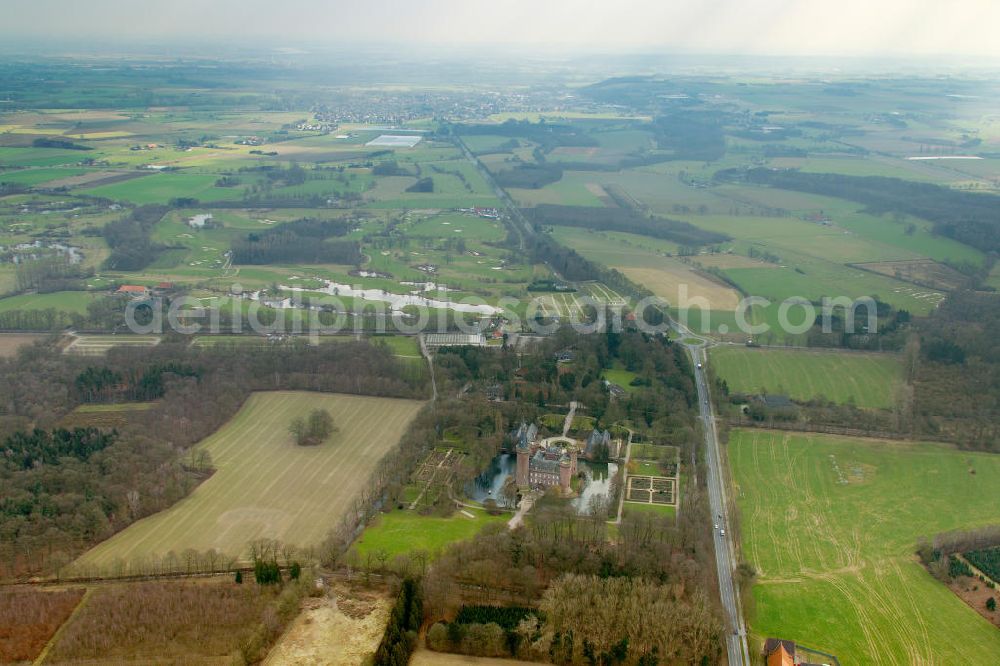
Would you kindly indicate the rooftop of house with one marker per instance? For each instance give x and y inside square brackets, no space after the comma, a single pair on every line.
[779,652]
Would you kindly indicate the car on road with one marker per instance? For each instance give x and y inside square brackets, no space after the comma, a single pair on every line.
[722,532]
[717,526]
[699,366]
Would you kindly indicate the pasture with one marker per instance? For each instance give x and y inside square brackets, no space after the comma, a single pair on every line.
[63,301]
[867,380]
[267,486]
[403,531]
[831,524]
[161,187]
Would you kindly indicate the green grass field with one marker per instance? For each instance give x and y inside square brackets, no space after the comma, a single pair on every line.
[32,177]
[64,301]
[622,377]
[831,526]
[403,531]
[870,380]
[161,187]
[267,486]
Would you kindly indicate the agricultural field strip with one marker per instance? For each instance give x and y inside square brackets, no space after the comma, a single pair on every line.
[776,482]
[870,379]
[190,524]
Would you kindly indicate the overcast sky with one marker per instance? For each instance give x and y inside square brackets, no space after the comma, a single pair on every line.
[770,27]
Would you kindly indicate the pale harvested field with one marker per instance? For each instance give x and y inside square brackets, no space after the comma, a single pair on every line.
[265,485]
[340,630]
[667,279]
[11,342]
[98,345]
[428,658]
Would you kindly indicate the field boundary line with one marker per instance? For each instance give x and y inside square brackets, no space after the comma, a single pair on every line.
[43,655]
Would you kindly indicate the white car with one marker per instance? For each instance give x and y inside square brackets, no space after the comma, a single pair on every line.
[717,526]
[722,532]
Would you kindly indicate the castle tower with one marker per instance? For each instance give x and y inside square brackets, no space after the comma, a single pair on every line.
[521,476]
[565,474]
[573,452]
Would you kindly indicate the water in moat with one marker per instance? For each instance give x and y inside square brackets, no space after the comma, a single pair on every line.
[488,484]
[596,481]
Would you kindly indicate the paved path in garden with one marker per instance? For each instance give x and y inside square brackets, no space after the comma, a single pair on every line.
[624,489]
[527,501]
[568,423]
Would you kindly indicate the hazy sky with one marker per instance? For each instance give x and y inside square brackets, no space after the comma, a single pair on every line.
[778,27]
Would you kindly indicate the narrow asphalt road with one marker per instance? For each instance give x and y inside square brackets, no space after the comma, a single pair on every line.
[725,556]
[519,224]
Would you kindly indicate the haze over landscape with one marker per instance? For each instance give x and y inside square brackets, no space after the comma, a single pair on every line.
[759,27]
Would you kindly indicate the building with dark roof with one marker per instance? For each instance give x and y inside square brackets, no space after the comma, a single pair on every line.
[543,463]
[597,445]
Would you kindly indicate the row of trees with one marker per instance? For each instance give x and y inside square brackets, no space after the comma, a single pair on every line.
[965,216]
[130,238]
[400,637]
[622,219]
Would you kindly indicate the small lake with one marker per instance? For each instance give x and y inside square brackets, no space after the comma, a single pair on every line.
[488,484]
[597,483]
[399,301]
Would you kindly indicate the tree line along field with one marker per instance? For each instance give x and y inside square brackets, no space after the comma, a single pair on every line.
[868,380]
[265,485]
[831,525]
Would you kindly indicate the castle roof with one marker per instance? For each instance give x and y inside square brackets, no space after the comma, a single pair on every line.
[596,439]
[524,435]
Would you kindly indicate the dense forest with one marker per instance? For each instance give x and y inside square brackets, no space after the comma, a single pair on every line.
[81,485]
[691,135]
[48,274]
[622,219]
[130,239]
[302,241]
[969,217]
[587,588]
[529,176]
[956,371]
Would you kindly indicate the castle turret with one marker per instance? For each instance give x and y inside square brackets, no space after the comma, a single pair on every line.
[523,454]
[573,452]
[565,474]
